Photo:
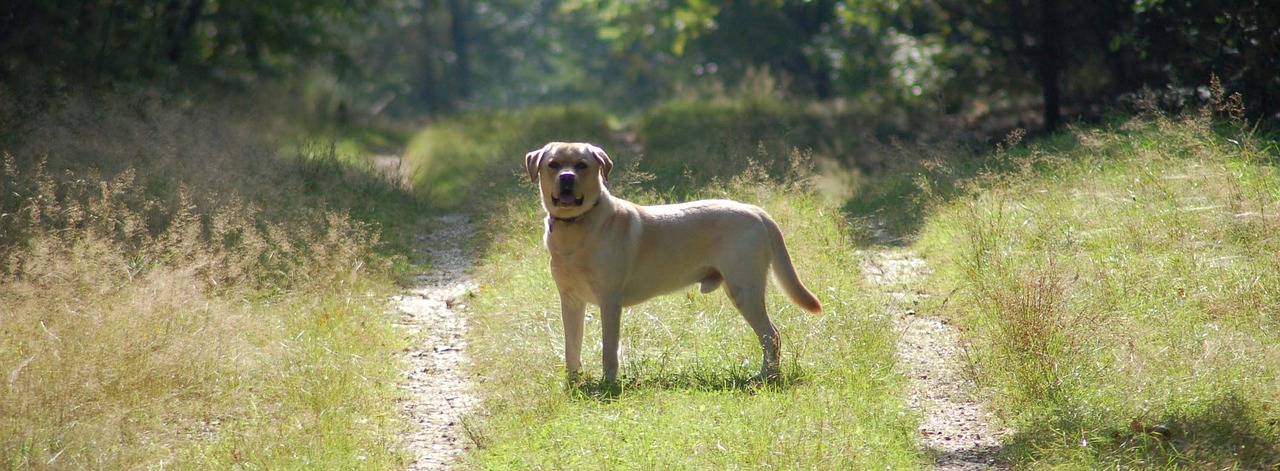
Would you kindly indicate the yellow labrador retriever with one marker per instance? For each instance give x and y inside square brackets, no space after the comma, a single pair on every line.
[612,253]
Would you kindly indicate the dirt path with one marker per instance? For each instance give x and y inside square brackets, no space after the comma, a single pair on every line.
[955,429]
[437,390]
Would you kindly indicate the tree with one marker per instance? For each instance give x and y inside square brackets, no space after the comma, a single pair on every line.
[1048,60]
[100,41]
[1182,43]
[815,44]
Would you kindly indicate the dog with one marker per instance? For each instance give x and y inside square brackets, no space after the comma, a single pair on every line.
[613,253]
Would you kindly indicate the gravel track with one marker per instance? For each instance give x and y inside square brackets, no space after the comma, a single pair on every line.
[437,390]
[955,428]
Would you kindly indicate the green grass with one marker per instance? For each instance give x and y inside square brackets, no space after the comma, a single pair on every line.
[1114,281]
[176,293]
[681,402]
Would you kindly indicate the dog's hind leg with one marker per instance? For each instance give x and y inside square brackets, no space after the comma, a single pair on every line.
[748,297]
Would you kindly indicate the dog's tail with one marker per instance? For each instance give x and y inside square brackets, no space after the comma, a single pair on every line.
[785,273]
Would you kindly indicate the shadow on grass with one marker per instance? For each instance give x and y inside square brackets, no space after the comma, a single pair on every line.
[891,211]
[978,457]
[596,389]
[1228,432]
[895,201]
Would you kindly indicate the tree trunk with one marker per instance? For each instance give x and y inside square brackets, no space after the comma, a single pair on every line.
[1117,19]
[1049,63]
[429,90]
[458,34]
[183,23]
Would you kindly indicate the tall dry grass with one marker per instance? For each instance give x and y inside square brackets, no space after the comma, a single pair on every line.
[174,291]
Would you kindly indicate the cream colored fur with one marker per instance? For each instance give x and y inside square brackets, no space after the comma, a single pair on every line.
[612,253]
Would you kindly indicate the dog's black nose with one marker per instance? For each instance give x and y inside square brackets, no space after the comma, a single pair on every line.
[567,177]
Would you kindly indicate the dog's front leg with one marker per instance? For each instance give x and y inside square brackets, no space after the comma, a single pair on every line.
[572,312]
[610,330]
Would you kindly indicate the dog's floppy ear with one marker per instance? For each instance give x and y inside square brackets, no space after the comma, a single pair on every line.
[531,162]
[606,165]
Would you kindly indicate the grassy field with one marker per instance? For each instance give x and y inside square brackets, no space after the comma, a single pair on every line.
[1120,290]
[180,290]
[175,292]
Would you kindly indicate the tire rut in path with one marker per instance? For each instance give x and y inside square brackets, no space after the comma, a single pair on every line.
[437,390]
[954,427]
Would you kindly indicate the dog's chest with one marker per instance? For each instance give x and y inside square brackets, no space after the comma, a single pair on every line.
[574,274]
[574,261]
[570,256]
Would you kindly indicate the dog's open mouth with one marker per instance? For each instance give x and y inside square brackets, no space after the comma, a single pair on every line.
[567,196]
[567,199]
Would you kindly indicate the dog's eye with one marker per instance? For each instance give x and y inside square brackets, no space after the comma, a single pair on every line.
[580,166]
[554,165]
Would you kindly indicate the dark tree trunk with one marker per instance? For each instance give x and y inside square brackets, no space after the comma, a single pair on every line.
[1049,63]
[808,18]
[105,41]
[1118,18]
[458,35]
[429,91]
[183,23]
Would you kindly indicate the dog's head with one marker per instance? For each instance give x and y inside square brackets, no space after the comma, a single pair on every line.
[571,176]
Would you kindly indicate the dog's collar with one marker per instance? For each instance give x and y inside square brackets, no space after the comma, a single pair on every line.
[551,219]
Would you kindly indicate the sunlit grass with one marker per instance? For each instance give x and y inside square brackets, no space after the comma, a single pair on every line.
[1121,294]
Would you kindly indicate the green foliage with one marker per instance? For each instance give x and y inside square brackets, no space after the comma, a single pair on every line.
[65,42]
[698,140]
[1117,286]
[1197,42]
[989,64]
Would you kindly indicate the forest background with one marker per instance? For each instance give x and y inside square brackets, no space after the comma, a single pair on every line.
[1028,63]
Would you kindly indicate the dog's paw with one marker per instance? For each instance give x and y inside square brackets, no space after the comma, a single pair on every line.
[765,378]
[574,378]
